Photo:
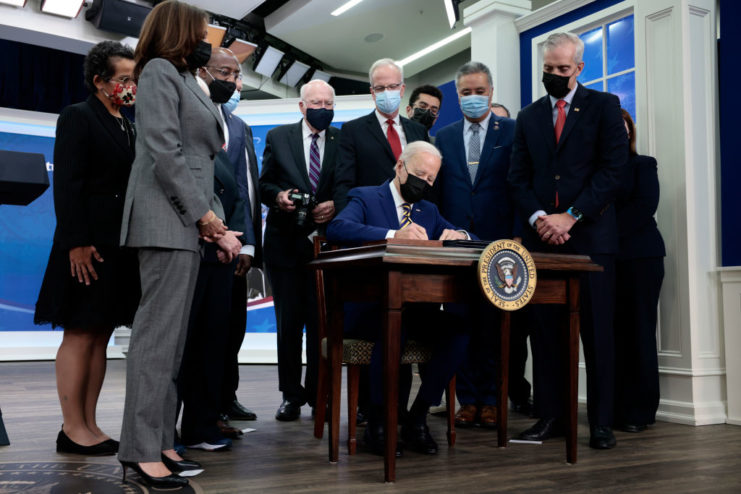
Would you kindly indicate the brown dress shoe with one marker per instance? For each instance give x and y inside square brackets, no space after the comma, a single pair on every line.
[488,417]
[466,416]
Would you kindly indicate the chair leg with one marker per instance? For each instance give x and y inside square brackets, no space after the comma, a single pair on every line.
[322,389]
[450,403]
[353,389]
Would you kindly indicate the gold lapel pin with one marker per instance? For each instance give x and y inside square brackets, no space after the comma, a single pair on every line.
[576,109]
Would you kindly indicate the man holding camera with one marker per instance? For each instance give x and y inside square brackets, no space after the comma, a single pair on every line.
[297,185]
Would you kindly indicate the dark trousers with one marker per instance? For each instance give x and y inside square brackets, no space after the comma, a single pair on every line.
[549,347]
[202,369]
[294,298]
[235,337]
[447,332]
[519,387]
[636,361]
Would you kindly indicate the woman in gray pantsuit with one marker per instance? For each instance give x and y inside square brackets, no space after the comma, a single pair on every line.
[170,207]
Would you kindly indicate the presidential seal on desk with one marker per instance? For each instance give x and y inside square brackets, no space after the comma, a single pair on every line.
[507,274]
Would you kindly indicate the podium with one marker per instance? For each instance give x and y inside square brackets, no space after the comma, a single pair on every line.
[395,272]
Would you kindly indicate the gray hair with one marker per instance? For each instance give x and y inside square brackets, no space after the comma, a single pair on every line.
[473,68]
[557,39]
[414,148]
[385,62]
[321,82]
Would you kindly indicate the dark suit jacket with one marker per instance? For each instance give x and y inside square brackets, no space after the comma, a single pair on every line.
[227,190]
[585,167]
[284,167]
[636,203]
[240,139]
[365,154]
[484,207]
[92,161]
[371,213]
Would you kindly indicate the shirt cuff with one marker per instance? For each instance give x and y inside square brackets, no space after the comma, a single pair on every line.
[464,232]
[248,249]
[390,233]
[535,216]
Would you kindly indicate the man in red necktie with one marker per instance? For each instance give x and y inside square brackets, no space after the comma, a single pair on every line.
[569,152]
[371,145]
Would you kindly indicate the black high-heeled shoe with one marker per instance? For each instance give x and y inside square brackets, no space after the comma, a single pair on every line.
[171,481]
[184,468]
[67,445]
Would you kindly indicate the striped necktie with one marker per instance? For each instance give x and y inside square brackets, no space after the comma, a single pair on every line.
[314,163]
[406,215]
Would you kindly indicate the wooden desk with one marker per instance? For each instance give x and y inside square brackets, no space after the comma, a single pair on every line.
[396,272]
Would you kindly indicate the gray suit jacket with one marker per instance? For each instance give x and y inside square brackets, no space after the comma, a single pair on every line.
[172,178]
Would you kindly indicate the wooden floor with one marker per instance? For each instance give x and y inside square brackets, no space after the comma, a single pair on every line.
[285,457]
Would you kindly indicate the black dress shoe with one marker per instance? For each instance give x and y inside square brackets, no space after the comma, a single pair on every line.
[67,445]
[237,411]
[171,481]
[375,440]
[288,411]
[418,438]
[361,419]
[184,468]
[602,437]
[633,427]
[542,429]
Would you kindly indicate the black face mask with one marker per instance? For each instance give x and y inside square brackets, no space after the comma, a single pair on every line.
[414,189]
[424,116]
[221,91]
[200,56]
[556,85]
[319,118]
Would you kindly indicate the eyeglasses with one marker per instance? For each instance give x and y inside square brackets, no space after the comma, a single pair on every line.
[228,73]
[125,80]
[390,87]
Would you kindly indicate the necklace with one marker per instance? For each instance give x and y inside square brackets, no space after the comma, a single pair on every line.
[120,122]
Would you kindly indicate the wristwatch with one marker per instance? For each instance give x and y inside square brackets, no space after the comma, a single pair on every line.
[575,213]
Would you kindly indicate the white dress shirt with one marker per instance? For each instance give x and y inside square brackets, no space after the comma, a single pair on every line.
[397,126]
[398,201]
[568,98]
[467,132]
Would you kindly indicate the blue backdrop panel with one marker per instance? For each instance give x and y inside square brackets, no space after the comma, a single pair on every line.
[25,241]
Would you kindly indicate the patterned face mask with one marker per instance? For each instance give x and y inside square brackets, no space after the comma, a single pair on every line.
[122,95]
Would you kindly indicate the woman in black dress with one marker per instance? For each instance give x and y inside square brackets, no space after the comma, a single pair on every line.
[639,274]
[91,285]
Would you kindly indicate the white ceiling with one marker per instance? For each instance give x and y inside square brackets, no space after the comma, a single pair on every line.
[406,26]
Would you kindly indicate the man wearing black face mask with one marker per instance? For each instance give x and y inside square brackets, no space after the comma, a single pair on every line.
[568,156]
[424,106]
[222,73]
[298,158]
[395,209]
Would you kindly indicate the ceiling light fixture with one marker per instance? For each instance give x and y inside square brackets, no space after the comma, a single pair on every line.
[64,8]
[14,3]
[341,10]
[451,8]
[269,61]
[434,46]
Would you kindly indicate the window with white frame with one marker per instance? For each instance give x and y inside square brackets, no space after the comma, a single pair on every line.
[609,61]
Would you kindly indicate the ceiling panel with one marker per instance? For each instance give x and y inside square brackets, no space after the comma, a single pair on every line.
[235,9]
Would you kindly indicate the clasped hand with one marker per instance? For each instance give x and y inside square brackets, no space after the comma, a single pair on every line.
[553,229]
[229,246]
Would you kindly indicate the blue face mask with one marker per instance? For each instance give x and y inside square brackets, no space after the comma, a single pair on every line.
[474,105]
[231,105]
[388,101]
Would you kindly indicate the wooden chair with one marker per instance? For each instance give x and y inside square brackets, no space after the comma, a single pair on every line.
[356,353]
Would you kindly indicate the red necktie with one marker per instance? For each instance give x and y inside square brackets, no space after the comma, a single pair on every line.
[560,121]
[393,138]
